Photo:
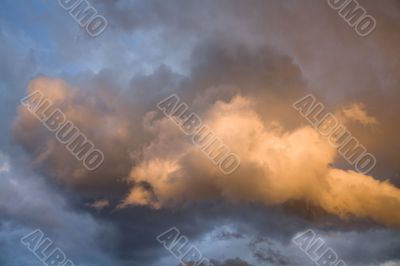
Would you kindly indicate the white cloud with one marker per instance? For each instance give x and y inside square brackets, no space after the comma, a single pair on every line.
[4,164]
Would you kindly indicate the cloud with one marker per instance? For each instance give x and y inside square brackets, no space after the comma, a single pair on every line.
[232,262]
[277,166]
[357,113]
[95,118]
[265,252]
[99,204]
[390,263]
[4,164]
[28,203]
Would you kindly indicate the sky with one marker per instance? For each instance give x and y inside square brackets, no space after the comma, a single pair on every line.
[239,66]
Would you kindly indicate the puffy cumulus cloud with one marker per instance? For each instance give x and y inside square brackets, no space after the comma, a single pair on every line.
[174,167]
[280,160]
[356,112]
[164,170]
[277,166]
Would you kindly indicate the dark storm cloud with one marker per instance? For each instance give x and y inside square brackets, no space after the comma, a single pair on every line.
[336,62]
